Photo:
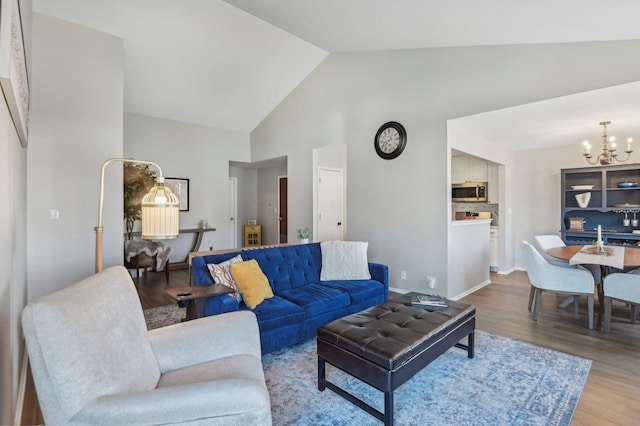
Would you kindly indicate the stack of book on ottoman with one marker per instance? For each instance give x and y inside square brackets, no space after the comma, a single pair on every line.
[430,300]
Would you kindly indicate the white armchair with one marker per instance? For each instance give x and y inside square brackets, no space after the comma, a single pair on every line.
[94,362]
[557,279]
[623,287]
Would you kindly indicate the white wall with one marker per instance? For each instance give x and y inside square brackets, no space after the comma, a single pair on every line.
[536,192]
[400,206]
[200,154]
[76,124]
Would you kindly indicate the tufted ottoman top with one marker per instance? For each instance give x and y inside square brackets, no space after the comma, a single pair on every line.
[392,333]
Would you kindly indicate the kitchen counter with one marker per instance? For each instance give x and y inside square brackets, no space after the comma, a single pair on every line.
[467,222]
[469,256]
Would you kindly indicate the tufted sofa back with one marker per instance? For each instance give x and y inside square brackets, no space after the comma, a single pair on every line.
[288,267]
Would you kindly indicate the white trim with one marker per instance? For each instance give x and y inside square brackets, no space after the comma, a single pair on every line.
[471,290]
[398,290]
[22,389]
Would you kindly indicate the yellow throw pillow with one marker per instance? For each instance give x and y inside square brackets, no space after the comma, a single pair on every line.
[252,282]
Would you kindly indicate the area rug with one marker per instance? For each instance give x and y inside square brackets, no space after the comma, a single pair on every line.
[163,316]
[507,383]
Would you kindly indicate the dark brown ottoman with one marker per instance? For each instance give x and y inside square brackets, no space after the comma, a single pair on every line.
[386,345]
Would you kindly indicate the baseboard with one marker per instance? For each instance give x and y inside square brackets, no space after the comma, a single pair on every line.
[22,386]
[398,290]
[471,290]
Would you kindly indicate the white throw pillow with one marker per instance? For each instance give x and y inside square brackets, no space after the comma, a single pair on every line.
[344,260]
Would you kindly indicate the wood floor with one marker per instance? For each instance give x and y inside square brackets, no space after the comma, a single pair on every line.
[612,393]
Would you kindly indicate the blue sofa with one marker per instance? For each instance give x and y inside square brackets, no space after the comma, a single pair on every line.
[301,302]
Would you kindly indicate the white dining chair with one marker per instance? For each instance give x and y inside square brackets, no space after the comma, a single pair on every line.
[546,242]
[622,287]
[557,279]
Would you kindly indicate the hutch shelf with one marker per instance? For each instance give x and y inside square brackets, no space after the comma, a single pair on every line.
[613,198]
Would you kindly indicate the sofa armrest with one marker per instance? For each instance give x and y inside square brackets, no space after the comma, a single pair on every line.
[205,339]
[199,272]
[380,272]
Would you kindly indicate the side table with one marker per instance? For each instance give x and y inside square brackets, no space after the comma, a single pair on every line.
[193,297]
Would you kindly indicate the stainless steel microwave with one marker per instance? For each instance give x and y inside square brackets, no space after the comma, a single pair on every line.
[470,192]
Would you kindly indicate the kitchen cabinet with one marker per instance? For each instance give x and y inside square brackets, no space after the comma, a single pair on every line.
[468,169]
[493,242]
[608,203]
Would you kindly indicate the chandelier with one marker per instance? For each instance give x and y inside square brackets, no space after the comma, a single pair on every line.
[608,153]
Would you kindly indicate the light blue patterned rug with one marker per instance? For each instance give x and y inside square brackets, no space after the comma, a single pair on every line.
[507,383]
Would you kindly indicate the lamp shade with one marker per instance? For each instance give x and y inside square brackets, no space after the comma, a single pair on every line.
[160,212]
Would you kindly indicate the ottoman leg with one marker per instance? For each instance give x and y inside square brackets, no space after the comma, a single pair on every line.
[470,344]
[388,408]
[321,374]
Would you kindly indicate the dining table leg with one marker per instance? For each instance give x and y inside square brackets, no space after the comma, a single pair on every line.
[600,289]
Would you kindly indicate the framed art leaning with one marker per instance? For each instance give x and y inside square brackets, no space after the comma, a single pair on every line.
[13,68]
[180,187]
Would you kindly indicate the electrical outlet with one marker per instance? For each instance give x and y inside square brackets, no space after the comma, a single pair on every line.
[403,275]
[431,282]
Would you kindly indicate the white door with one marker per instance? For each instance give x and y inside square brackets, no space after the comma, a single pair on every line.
[330,205]
[233,212]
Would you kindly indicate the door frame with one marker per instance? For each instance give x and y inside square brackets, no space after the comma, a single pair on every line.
[280,177]
[233,211]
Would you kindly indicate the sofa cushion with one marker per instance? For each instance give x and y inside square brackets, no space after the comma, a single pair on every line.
[221,274]
[344,260]
[317,298]
[252,282]
[276,312]
[358,290]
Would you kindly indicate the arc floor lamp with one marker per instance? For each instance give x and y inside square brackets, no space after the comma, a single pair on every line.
[160,210]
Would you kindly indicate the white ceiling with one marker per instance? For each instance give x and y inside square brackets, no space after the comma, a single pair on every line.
[229,64]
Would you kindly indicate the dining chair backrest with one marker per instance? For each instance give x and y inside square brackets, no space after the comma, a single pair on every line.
[623,287]
[546,242]
[550,277]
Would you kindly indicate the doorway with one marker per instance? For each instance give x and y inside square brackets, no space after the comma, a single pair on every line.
[283,216]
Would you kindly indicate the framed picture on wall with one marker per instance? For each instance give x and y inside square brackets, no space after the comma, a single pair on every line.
[180,187]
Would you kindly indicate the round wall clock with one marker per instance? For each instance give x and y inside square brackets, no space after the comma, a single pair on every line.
[390,140]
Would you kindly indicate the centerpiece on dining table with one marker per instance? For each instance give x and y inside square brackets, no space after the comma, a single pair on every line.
[599,247]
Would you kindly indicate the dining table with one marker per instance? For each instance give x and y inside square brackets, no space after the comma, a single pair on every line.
[631,261]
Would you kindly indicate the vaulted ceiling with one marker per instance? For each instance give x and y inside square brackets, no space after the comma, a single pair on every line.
[228,64]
